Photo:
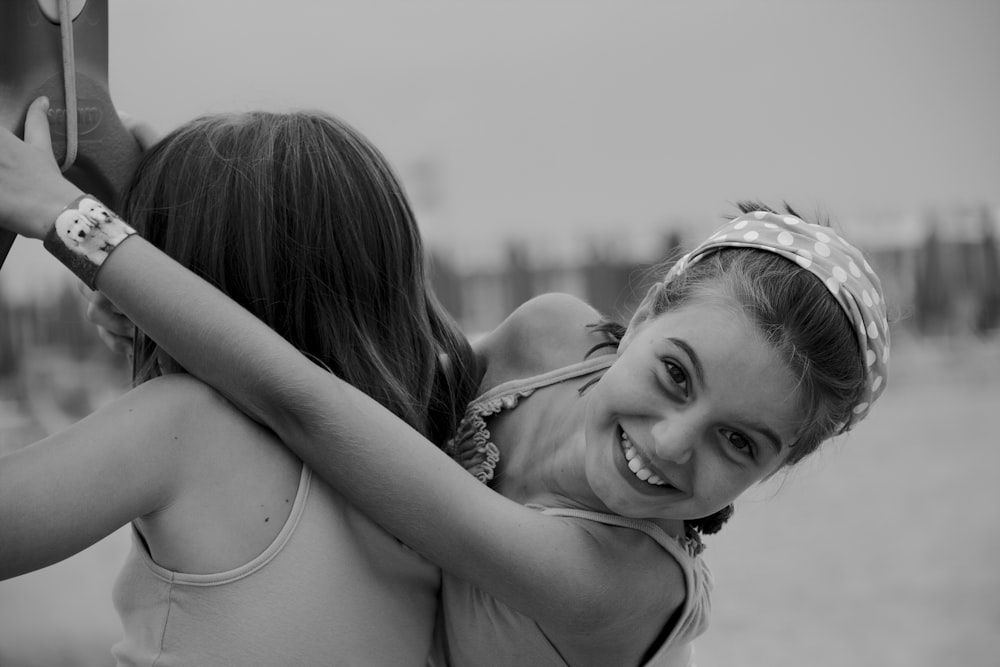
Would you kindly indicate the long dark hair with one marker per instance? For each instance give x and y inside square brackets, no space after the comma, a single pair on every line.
[300,220]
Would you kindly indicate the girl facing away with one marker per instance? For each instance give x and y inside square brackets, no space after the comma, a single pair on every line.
[605,449]
[240,554]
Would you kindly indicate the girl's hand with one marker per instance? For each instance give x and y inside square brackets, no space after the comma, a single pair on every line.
[112,326]
[32,190]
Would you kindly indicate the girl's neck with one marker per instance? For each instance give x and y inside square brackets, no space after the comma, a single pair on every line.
[547,468]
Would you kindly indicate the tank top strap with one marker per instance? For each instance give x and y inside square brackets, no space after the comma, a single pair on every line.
[683,549]
[524,386]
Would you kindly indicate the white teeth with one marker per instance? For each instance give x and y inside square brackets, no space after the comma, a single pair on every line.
[637,465]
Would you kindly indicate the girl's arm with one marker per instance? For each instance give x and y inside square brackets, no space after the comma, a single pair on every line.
[550,569]
[66,492]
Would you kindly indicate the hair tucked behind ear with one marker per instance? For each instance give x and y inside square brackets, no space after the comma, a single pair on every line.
[301,221]
[797,315]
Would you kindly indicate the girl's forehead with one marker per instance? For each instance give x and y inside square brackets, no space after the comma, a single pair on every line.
[712,306]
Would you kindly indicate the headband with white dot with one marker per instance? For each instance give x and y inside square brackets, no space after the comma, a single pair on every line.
[841,267]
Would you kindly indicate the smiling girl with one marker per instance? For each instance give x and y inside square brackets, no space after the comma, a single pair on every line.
[597,453]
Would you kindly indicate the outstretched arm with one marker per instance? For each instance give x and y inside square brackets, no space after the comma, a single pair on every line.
[545,567]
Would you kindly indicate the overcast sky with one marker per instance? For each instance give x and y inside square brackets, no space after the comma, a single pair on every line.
[561,120]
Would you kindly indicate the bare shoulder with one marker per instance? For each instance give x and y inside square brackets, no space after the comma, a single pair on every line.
[180,391]
[180,400]
[641,589]
[545,332]
[182,414]
[634,551]
[233,479]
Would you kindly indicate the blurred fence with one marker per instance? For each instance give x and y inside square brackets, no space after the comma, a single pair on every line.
[54,369]
[944,282]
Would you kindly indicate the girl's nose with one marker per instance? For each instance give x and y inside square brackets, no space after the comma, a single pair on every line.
[675,437]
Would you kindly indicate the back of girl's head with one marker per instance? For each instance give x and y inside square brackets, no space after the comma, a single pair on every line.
[795,313]
[300,220]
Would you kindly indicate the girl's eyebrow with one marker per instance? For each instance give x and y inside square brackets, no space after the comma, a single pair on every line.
[692,356]
[769,436]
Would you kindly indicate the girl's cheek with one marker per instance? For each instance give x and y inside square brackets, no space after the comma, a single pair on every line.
[715,483]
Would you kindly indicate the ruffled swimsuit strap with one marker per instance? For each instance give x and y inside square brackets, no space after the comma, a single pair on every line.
[473,445]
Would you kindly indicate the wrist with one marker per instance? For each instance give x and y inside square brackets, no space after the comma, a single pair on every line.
[83,235]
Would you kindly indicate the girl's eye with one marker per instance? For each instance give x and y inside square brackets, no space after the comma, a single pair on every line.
[740,442]
[676,373]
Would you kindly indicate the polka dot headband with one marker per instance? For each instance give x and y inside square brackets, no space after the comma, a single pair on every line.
[840,266]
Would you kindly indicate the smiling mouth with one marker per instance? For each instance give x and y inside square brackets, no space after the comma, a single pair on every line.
[636,463]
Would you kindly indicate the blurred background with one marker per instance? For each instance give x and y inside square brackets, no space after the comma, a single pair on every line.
[571,144]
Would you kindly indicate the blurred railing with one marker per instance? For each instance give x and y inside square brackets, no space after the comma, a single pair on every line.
[54,369]
[942,280]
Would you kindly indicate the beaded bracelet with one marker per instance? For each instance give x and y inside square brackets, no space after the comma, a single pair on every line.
[85,233]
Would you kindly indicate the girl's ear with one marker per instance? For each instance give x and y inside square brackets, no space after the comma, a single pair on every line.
[643,312]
